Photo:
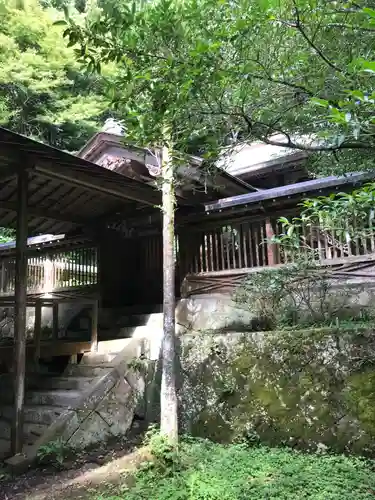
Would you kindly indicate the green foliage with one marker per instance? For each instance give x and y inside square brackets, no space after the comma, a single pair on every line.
[54,453]
[138,365]
[346,220]
[216,472]
[6,235]
[164,452]
[361,397]
[347,215]
[294,294]
[165,54]
[43,91]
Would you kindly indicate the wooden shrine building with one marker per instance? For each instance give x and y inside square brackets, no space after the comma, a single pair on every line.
[88,230]
[104,247]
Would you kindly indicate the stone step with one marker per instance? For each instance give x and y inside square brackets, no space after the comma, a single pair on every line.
[98,359]
[49,397]
[4,448]
[53,398]
[31,431]
[43,414]
[64,383]
[85,370]
[44,397]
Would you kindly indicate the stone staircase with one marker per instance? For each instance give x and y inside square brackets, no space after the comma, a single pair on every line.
[88,401]
[47,398]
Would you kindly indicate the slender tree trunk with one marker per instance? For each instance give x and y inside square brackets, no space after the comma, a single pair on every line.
[168,395]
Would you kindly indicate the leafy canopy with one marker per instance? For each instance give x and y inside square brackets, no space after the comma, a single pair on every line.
[43,91]
[297,73]
[167,56]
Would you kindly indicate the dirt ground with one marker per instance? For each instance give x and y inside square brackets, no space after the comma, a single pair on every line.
[81,475]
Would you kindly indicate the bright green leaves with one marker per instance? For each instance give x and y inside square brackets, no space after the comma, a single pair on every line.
[43,91]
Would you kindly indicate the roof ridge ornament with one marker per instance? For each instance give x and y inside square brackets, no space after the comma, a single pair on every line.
[112,126]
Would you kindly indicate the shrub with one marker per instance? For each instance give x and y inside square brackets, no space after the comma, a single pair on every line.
[294,294]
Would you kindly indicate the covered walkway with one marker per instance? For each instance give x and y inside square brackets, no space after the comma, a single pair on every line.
[44,190]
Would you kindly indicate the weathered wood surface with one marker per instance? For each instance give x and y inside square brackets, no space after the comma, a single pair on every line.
[20,312]
[48,348]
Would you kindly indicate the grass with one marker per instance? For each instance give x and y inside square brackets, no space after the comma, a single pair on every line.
[202,470]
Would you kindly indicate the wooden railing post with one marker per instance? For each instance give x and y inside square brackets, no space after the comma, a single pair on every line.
[48,269]
[2,282]
[94,325]
[272,249]
[20,313]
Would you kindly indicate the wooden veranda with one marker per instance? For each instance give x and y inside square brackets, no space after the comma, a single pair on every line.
[237,237]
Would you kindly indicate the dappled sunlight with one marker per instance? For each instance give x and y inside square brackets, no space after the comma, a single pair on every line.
[81,483]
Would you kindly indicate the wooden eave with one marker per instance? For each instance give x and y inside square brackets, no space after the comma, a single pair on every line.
[65,191]
[203,188]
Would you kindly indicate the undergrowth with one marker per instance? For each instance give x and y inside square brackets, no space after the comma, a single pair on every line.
[203,470]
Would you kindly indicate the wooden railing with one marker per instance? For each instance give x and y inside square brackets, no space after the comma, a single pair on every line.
[229,246]
[53,271]
[249,244]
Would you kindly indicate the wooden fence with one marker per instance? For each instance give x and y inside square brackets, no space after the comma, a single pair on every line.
[53,271]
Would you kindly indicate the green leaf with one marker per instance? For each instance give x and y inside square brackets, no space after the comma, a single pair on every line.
[60,22]
[368,66]
[319,102]
[369,12]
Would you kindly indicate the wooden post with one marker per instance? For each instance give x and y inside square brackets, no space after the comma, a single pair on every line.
[94,325]
[2,283]
[37,331]
[272,253]
[55,320]
[20,313]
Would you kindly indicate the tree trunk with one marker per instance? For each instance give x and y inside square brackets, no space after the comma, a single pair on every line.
[168,395]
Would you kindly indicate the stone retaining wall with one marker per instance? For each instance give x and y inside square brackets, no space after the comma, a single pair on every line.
[311,389]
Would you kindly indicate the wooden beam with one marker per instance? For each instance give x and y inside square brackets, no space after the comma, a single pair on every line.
[125,189]
[20,313]
[46,213]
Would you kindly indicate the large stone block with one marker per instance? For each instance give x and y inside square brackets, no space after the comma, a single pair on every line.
[307,388]
[211,312]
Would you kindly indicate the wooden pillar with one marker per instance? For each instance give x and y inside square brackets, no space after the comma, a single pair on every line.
[2,283]
[20,313]
[37,331]
[272,248]
[94,325]
[55,320]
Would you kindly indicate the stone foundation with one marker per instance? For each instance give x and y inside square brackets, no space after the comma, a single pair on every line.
[312,389]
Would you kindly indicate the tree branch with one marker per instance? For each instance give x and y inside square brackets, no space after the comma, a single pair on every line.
[351,27]
[281,82]
[303,147]
[299,27]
